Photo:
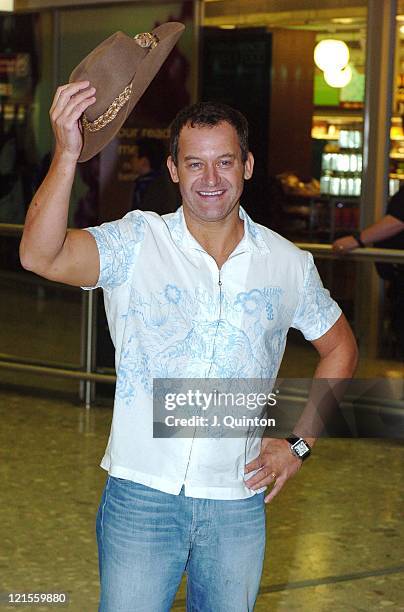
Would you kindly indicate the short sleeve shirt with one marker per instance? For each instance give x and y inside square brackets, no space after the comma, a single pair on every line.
[173,314]
[395,208]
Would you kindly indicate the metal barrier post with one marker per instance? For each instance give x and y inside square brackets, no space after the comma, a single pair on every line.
[379,85]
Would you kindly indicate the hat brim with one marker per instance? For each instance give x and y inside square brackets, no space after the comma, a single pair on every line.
[168,34]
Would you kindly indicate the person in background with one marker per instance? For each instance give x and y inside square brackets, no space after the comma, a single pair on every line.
[87,211]
[152,188]
[387,233]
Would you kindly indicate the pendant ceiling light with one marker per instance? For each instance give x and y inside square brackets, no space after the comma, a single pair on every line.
[337,77]
[330,54]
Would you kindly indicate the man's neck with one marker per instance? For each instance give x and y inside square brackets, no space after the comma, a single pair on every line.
[218,238]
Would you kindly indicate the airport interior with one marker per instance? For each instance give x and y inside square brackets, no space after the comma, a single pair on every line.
[329,149]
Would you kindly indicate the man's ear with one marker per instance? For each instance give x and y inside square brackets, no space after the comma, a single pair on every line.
[173,170]
[249,166]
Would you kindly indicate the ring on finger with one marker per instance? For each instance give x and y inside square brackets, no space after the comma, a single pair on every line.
[273,476]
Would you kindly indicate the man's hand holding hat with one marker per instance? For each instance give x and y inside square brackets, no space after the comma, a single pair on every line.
[69,103]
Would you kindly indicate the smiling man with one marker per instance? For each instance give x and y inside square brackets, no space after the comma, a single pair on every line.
[200,293]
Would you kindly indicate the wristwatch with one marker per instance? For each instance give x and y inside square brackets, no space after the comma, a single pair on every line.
[299,447]
[357,236]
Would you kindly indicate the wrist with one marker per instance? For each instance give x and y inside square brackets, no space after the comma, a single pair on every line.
[66,157]
[357,237]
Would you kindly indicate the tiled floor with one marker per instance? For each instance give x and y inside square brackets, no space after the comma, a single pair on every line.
[335,533]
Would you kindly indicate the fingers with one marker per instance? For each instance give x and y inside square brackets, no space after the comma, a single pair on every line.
[275,490]
[264,477]
[70,104]
[66,91]
[339,249]
[79,101]
[256,464]
[74,112]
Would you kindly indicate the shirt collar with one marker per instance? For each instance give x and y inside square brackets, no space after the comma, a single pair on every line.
[252,241]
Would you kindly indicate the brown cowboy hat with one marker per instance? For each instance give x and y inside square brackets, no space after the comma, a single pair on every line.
[120,68]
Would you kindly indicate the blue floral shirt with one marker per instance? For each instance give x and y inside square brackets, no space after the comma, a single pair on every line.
[173,314]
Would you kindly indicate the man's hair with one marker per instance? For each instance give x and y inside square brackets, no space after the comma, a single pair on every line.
[209,114]
[153,149]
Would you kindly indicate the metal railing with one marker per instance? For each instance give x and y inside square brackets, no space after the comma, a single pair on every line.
[87,373]
[325,251]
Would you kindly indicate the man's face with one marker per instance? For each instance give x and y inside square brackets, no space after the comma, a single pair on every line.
[210,172]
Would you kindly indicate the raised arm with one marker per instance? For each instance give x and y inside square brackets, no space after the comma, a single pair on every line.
[46,247]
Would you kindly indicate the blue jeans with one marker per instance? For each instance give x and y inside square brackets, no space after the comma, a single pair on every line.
[147,539]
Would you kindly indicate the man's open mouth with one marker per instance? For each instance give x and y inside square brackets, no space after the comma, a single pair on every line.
[211,194]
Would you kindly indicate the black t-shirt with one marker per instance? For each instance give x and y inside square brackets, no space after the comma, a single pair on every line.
[395,208]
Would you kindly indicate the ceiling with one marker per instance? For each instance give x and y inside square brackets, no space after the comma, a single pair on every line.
[325,16]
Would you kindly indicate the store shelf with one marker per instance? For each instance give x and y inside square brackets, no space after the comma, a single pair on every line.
[341,158]
[323,137]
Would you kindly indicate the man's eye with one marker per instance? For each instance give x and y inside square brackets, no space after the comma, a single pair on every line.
[224,163]
[194,165]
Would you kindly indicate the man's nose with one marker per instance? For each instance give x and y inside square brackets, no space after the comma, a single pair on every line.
[211,176]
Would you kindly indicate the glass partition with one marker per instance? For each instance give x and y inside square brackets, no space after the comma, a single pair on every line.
[40,323]
[340,277]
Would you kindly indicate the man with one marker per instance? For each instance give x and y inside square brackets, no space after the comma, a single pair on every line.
[202,292]
[387,233]
[152,189]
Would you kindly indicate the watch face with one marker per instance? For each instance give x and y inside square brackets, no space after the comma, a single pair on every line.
[301,448]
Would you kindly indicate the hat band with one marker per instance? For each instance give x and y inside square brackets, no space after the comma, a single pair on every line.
[110,114]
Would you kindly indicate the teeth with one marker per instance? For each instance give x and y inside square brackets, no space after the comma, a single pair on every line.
[211,193]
